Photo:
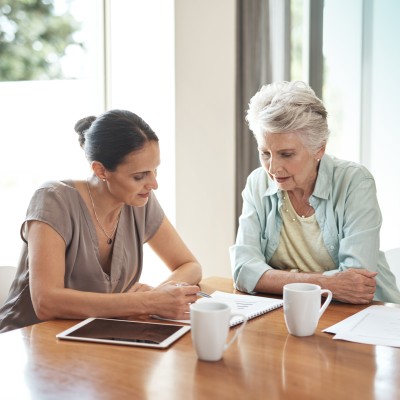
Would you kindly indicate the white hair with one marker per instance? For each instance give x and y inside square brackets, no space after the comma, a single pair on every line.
[289,107]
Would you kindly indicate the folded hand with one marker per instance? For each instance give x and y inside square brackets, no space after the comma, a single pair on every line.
[355,286]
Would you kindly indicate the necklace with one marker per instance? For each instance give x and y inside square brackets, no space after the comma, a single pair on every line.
[109,237]
[305,215]
[308,210]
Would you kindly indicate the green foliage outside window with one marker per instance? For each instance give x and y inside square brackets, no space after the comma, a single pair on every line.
[33,39]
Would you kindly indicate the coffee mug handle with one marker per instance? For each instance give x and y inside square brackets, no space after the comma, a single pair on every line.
[326,302]
[238,331]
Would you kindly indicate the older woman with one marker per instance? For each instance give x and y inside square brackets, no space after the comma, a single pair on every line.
[307,216]
[83,240]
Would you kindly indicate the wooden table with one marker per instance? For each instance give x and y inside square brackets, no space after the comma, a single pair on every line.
[264,363]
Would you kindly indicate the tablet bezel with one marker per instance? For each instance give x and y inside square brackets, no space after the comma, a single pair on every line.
[68,334]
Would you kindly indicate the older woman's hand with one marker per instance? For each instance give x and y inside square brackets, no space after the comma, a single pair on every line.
[355,286]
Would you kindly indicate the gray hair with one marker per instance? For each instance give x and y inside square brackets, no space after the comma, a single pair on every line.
[289,107]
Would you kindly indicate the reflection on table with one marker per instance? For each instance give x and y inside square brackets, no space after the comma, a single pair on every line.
[265,362]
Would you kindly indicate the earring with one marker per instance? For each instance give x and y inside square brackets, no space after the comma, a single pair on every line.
[318,160]
[104,179]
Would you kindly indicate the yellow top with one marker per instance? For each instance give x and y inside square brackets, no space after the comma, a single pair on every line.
[301,246]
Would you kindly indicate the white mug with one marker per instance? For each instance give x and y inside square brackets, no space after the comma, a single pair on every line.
[210,326]
[302,307]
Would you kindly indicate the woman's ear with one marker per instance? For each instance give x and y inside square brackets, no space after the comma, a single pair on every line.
[320,153]
[99,170]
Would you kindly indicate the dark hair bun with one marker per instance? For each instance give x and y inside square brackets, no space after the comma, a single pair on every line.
[82,126]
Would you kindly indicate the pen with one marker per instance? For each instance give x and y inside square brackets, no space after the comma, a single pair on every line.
[202,294]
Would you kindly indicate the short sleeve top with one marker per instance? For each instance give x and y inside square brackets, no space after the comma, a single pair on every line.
[59,204]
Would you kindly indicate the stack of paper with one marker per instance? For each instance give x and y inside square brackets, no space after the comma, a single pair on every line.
[378,325]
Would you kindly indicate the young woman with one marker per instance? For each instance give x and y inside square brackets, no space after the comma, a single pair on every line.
[83,240]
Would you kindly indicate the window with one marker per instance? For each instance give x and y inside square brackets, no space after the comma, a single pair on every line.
[360,90]
[38,117]
[142,80]
[361,64]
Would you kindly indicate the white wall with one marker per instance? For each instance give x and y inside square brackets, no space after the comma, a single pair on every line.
[205,130]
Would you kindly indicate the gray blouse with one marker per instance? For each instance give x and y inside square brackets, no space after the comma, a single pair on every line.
[60,205]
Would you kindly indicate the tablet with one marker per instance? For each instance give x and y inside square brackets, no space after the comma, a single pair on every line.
[129,333]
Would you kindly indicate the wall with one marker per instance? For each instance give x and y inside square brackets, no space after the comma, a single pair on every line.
[205,131]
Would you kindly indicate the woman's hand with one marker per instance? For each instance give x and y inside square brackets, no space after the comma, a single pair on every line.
[356,286]
[172,300]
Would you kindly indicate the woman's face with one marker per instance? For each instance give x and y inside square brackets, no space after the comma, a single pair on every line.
[287,161]
[134,179]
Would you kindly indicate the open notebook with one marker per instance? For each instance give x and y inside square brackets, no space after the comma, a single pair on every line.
[251,306]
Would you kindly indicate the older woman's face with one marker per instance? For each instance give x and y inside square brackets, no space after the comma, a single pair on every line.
[287,161]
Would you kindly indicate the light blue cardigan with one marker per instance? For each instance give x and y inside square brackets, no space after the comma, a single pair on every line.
[346,209]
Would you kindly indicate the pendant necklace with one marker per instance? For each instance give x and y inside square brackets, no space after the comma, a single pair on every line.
[109,237]
[305,215]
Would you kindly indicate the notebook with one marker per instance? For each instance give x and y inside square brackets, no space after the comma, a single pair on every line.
[251,306]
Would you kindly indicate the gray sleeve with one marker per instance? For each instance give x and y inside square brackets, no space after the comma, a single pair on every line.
[48,206]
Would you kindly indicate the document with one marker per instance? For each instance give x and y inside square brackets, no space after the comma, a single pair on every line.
[377,325]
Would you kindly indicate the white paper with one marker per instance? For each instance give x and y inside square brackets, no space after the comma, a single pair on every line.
[347,323]
[377,325]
